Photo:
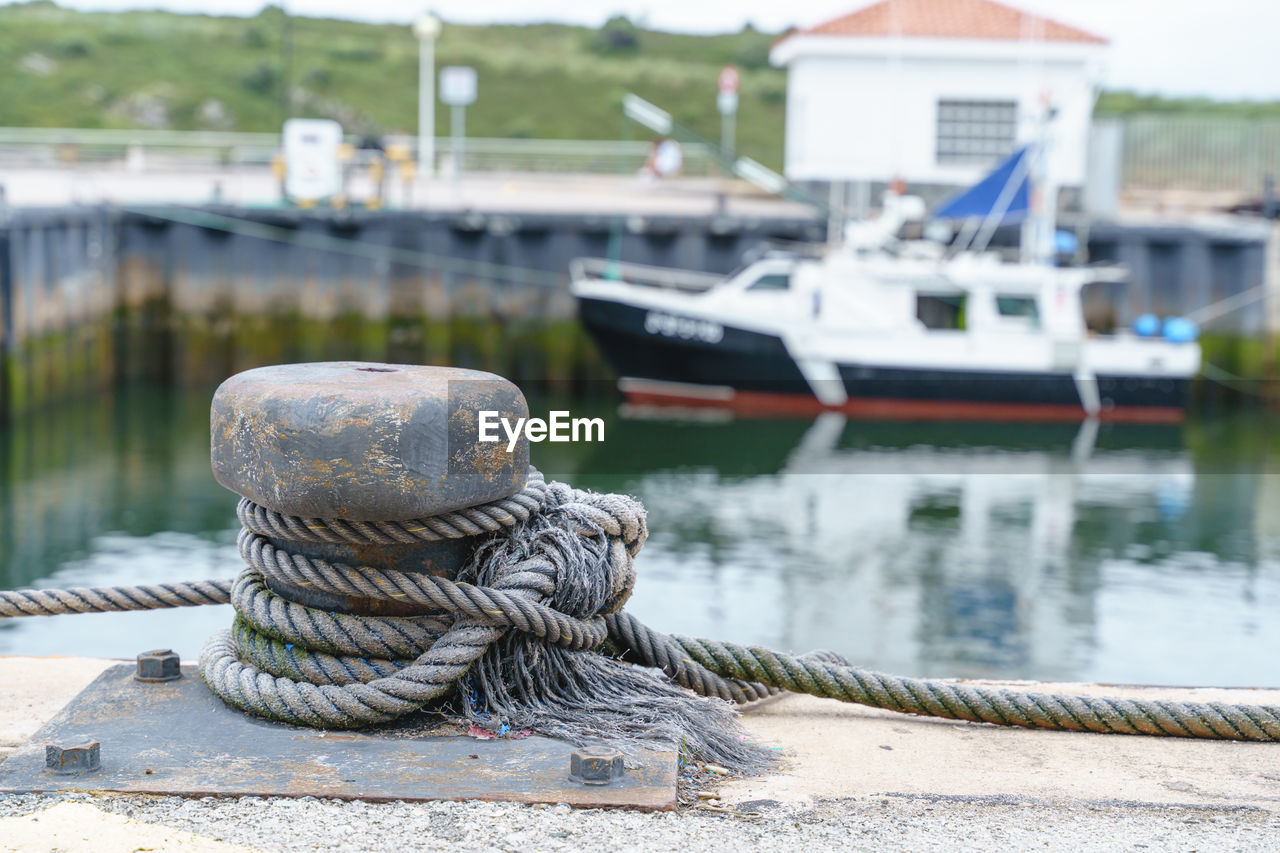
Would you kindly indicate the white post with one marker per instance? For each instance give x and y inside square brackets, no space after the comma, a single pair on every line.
[1271,282]
[459,134]
[835,215]
[727,131]
[426,107]
[427,29]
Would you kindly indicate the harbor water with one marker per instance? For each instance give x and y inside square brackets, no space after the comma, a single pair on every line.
[1082,552]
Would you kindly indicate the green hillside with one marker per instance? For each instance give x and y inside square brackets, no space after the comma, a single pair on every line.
[61,68]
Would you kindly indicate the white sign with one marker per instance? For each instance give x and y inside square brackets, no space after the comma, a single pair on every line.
[312,171]
[728,81]
[727,103]
[458,85]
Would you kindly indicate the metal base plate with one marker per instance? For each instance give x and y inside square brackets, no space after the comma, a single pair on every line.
[178,738]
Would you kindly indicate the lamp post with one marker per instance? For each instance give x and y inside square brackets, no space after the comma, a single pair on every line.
[426,29]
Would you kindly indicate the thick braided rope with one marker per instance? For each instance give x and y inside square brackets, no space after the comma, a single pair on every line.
[359,671]
[107,599]
[641,644]
[340,702]
[938,698]
[431,594]
[493,517]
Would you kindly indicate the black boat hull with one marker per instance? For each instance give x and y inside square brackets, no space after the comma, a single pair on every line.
[691,367]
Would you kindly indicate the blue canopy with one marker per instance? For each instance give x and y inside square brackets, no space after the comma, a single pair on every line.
[983,197]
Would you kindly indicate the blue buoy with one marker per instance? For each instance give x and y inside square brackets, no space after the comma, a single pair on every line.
[1180,330]
[1146,326]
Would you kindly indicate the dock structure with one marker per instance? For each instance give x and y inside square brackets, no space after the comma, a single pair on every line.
[850,776]
[91,296]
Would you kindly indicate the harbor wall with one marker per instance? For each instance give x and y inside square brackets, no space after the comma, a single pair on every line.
[92,296]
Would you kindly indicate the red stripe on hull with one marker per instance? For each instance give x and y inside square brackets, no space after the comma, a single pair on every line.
[761,404]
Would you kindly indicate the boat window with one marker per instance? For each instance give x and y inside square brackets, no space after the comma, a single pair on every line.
[940,312]
[771,281]
[1019,306]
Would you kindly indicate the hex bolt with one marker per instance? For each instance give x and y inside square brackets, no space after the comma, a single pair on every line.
[158,665]
[595,765]
[72,759]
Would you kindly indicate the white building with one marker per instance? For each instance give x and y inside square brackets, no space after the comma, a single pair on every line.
[934,92]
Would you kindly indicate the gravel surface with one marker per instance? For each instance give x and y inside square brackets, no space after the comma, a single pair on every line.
[868,823]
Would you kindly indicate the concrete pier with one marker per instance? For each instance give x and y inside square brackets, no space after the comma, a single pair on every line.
[851,777]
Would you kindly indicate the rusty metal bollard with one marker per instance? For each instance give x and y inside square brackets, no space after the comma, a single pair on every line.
[366,442]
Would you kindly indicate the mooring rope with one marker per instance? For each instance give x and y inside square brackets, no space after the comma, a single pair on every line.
[545,592]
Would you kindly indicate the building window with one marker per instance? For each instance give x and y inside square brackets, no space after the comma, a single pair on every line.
[975,131]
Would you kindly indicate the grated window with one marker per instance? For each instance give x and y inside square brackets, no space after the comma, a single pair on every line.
[975,131]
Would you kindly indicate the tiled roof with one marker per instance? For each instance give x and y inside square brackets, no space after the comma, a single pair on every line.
[974,19]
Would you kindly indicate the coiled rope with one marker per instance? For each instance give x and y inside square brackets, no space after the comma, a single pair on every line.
[520,634]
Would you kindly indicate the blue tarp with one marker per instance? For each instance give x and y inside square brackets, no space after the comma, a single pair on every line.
[981,198]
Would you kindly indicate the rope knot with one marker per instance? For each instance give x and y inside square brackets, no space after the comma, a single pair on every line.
[582,542]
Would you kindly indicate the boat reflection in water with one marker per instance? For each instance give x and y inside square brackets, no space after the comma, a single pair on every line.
[1056,551]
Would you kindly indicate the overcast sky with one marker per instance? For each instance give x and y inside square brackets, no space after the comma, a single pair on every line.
[1219,48]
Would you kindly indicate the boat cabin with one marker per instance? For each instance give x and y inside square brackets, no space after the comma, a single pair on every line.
[969,293]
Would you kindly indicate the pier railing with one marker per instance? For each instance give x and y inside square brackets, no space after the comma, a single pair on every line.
[1157,152]
[161,150]
[642,274]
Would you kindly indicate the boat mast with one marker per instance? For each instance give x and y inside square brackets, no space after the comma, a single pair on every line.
[1039,226]
[1036,245]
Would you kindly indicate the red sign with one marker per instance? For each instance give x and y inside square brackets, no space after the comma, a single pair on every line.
[728,81]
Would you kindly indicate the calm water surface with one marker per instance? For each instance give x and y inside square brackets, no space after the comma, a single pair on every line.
[1130,554]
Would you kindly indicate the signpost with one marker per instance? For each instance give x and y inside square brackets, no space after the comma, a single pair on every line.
[427,30]
[727,103]
[458,90]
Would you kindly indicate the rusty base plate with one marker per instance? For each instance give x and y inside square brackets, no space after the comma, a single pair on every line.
[178,738]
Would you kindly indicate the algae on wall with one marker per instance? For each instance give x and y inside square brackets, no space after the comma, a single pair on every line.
[168,303]
[56,301]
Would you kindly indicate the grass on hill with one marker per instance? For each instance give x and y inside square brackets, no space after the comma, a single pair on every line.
[63,68]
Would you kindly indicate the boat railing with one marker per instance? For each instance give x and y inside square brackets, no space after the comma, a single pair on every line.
[643,275]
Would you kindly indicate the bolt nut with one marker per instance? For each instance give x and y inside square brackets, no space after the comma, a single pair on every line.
[595,765]
[159,665]
[71,759]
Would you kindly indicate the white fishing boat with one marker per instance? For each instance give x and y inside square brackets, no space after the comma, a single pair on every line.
[878,327]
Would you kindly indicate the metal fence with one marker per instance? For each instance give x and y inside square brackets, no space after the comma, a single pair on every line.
[1157,152]
[150,149]
[158,150]
[1205,154]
